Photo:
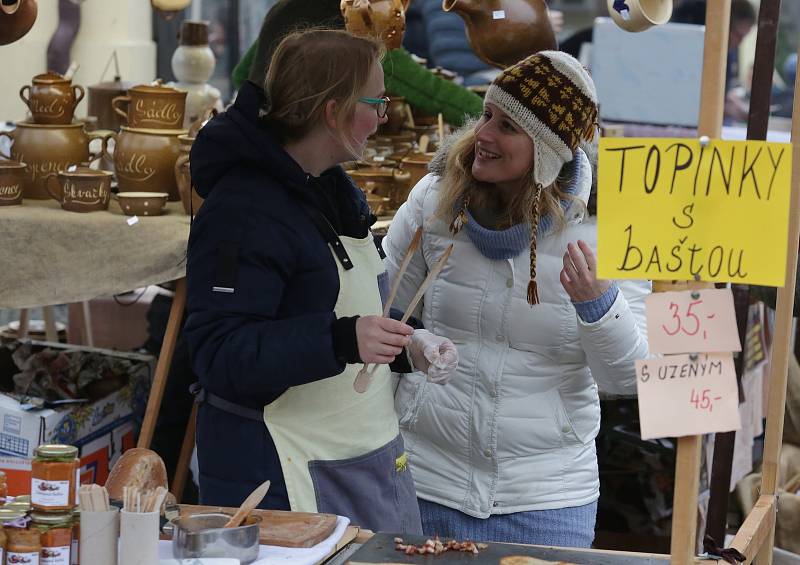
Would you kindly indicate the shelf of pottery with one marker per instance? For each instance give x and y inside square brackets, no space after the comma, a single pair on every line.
[53,156]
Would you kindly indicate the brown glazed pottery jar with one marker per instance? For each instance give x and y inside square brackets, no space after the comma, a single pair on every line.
[16,19]
[80,189]
[144,160]
[48,149]
[51,98]
[523,29]
[183,177]
[417,166]
[12,178]
[152,107]
[382,19]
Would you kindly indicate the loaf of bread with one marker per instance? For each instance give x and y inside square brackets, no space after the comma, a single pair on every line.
[138,467]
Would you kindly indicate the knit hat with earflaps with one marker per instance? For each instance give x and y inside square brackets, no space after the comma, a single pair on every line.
[552,98]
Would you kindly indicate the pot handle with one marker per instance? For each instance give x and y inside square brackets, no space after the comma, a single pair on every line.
[10,7]
[10,137]
[127,100]
[180,162]
[25,99]
[103,137]
[59,194]
[79,92]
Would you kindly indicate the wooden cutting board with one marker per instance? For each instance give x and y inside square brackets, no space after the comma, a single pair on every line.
[279,527]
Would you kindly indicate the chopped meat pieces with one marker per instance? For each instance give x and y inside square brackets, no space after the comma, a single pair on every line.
[436,547]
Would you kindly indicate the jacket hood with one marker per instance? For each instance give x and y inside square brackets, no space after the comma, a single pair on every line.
[236,138]
[577,173]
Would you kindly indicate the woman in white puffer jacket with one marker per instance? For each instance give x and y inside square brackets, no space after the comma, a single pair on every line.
[505,451]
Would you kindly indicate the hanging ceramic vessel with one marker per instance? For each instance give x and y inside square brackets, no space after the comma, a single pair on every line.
[16,19]
[168,8]
[503,32]
[639,15]
[382,19]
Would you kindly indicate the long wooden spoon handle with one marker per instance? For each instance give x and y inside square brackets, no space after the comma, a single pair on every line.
[248,505]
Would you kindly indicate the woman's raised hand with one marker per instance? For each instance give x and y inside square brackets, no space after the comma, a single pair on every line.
[579,275]
[381,339]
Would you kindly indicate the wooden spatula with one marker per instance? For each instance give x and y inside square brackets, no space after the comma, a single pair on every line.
[248,506]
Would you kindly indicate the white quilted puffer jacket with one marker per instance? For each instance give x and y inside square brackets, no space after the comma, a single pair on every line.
[514,429]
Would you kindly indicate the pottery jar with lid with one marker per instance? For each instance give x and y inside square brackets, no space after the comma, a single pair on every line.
[47,149]
[193,64]
[152,106]
[54,478]
[144,160]
[55,536]
[51,98]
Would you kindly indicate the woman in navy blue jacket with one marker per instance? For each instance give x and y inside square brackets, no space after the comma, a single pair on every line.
[283,296]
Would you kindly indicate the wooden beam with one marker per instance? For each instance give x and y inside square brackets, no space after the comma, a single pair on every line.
[756,528]
[712,101]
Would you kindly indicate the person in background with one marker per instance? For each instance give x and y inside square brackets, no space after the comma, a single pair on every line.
[743,18]
[403,76]
[284,296]
[506,452]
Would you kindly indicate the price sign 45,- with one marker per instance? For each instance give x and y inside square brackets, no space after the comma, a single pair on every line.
[700,321]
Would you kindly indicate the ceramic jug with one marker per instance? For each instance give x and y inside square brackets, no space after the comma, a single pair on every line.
[47,149]
[503,32]
[16,19]
[144,160]
[382,19]
[193,64]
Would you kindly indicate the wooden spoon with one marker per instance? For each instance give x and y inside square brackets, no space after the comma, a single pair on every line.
[248,506]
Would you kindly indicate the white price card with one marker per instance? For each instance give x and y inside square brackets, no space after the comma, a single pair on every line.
[681,395]
[701,321]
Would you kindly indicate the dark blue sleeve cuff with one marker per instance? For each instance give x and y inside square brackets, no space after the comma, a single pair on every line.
[592,310]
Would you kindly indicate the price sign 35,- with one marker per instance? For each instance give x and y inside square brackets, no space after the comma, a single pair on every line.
[679,396]
[692,321]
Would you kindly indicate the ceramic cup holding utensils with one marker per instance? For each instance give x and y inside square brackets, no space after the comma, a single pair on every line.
[99,536]
[51,98]
[152,107]
[138,538]
[12,177]
[80,189]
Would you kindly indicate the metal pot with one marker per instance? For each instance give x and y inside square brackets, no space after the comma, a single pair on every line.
[202,535]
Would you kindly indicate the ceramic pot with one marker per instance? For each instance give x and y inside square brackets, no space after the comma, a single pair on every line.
[51,98]
[144,160]
[12,178]
[142,203]
[16,19]
[417,166]
[382,19]
[503,32]
[47,149]
[183,177]
[383,181]
[641,14]
[81,189]
[152,107]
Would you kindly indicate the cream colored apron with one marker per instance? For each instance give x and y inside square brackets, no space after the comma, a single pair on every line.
[341,451]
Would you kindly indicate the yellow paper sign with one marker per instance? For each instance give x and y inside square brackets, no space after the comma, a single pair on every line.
[671,209]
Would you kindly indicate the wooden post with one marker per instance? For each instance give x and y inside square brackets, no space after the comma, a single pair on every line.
[779,367]
[757,124]
[712,100]
[163,365]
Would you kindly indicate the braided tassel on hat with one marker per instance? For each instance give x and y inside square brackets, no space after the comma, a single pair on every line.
[533,289]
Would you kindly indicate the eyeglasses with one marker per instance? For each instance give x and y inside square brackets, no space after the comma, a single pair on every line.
[381,104]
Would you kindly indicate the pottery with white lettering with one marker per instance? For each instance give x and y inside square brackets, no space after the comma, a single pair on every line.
[51,98]
[144,160]
[12,177]
[47,149]
[152,107]
[81,190]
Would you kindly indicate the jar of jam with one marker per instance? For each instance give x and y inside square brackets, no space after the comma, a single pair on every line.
[54,478]
[3,487]
[56,536]
[23,546]
[76,536]
[6,516]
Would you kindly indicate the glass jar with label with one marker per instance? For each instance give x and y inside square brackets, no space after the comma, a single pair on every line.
[23,546]
[76,536]
[54,478]
[56,536]
[3,487]
[7,516]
